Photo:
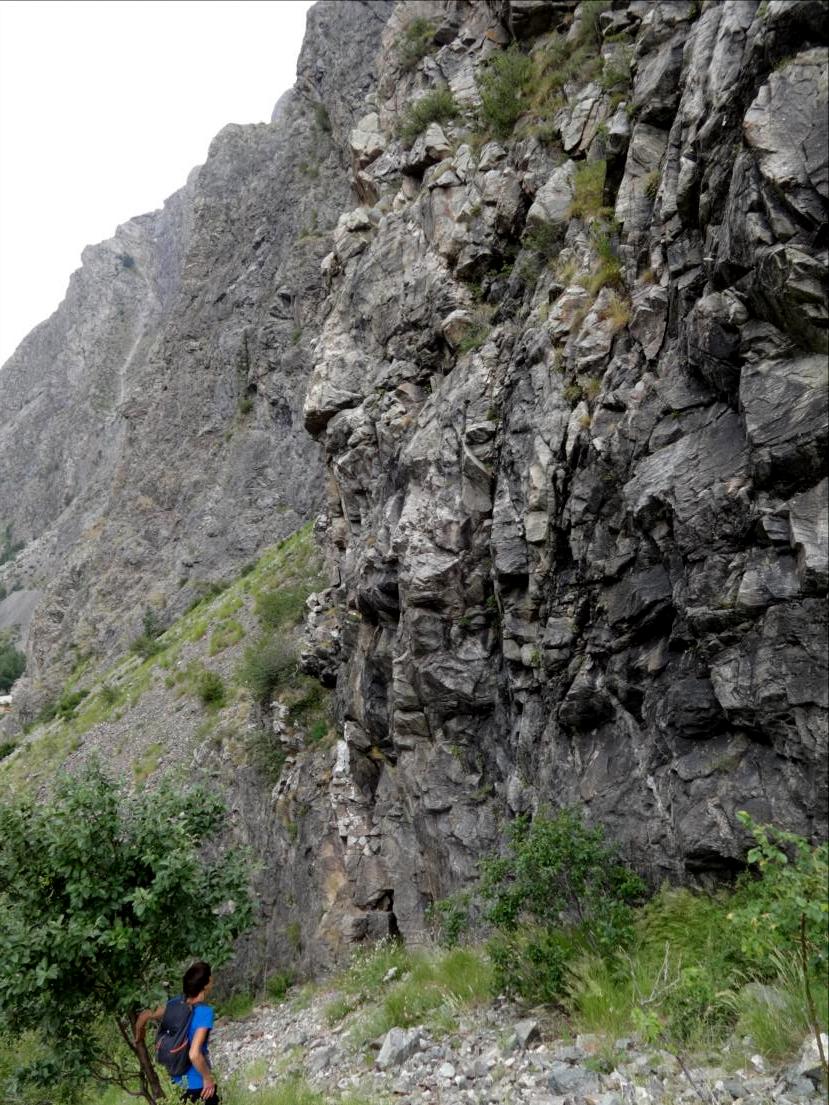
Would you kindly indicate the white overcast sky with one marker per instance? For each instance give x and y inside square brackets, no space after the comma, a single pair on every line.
[105,107]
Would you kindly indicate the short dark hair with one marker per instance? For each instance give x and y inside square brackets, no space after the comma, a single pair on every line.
[196,978]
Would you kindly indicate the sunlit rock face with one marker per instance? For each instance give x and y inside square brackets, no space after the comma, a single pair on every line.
[559,397]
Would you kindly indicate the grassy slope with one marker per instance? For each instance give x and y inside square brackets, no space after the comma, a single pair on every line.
[145,714]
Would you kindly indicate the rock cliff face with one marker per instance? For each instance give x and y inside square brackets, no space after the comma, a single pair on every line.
[569,387]
[578,530]
[152,432]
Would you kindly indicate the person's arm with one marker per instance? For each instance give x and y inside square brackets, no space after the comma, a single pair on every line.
[200,1063]
[147,1015]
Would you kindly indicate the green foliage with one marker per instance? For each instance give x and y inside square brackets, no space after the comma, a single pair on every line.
[544,240]
[701,966]
[504,85]
[788,880]
[277,985]
[558,887]
[225,635]
[211,689]
[437,106]
[415,42]
[450,918]
[267,665]
[245,405]
[64,707]
[293,1090]
[9,548]
[591,28]
[608,271]
[265,753]
[530,960]
[588,191]
[282,606]
[236,1006]
[430,988]
[132,895]
[6,748]
[774,1014]
[12,664]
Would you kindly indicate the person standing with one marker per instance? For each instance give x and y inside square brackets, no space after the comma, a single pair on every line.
[196,985]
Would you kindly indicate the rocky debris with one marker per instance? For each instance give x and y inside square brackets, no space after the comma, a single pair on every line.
[479,1063]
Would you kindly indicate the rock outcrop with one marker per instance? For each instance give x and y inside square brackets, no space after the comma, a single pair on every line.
[565,526]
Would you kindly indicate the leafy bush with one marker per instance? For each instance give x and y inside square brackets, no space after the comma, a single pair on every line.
[211,689]
[267,664]
[504,84]
[435,107]
[786,883]
[132,892]
[147,645]
[560,887]
[416,41]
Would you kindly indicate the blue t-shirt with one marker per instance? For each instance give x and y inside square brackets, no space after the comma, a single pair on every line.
[202,1018]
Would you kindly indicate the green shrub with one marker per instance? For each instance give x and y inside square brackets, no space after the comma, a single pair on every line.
[435,107]
[450,918]
[146,647]
[63,707]
[6,748]
[784,887]
[283,606]
[278,985]
[504,84]
[544,240]
[415,42]
[588,191]
[268,664]
[108,694]
[531,961]
[211,689]
[559,888]
[236,1006]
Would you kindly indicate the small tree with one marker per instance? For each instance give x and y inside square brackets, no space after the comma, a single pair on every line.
[104,895]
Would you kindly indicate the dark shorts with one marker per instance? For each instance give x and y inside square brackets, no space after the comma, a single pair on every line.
[195,1095]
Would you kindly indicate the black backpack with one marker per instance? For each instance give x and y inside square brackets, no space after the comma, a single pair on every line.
[172,1046]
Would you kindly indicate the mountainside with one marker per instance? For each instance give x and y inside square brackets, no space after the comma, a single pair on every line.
[542,329]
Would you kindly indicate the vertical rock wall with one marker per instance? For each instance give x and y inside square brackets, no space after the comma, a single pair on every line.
[578,532]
